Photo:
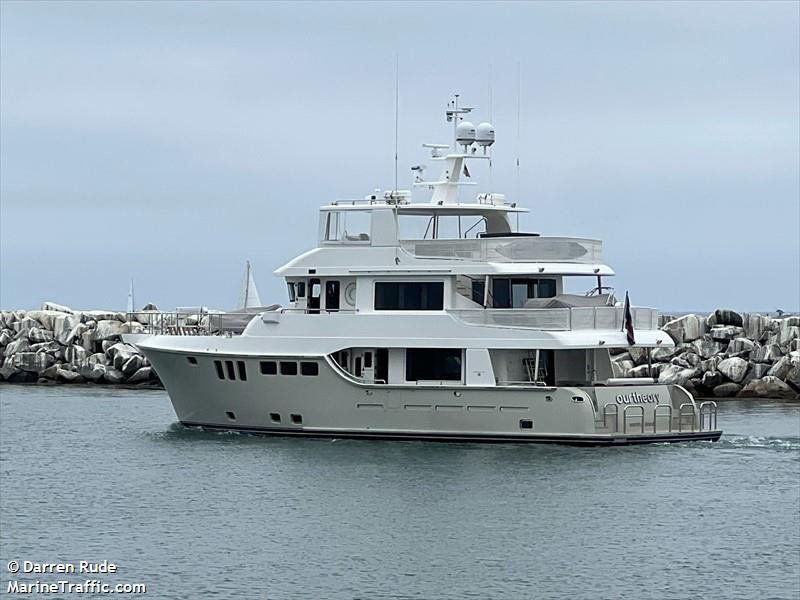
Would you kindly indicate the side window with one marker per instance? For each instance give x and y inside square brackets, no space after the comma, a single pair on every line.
[301,289]
[433,364]
[409,295]
[292,296]
[331,295]
[546,288]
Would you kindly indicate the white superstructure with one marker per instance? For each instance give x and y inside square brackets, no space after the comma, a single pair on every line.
[464,331]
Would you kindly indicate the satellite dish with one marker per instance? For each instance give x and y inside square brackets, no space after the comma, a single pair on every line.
[465,133]
[484,134]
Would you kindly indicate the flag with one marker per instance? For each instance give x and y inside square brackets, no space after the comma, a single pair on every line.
[466,171]
[627,321]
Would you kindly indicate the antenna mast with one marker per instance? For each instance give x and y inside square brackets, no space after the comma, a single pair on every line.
[396,112]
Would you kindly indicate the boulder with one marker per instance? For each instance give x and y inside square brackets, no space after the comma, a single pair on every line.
[75,334]
[141,375]
[712,379]
[52,306]
[727,390]
[767,387]
[63,326]
[103,315]
[686,328]
[75,355]
[5,337]
[664,354]
[706,348]
[640,371]
[113,375]
[680,361]
[768,353]
[710,364]
[725,333]
[621,368]
[622,356]
[781,368]
[51,347]
[7,370]
[69,376]
[755,325]
[119,353]
[723,316]
[133,364]
[20,345]
[92,372]
[37,334]
[45,318]
[107,329]
[733,368]
[740,346]
[25,324]
[32,362]
[50,372]
[675,374]
[99,358]
[133,327]
[793,377]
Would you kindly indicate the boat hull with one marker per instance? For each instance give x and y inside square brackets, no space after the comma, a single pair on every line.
[231,392]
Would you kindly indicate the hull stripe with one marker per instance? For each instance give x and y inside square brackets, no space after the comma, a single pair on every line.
[490,438]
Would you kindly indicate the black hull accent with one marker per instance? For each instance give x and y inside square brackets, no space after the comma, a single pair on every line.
[600,440]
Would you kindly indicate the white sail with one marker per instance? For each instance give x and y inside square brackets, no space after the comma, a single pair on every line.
[130,298]
[248,297]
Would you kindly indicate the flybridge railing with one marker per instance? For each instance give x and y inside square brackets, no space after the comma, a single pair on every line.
[188,323]
[509,249]
[558,319]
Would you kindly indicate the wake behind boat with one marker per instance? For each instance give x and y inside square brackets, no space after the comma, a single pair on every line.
[464,331]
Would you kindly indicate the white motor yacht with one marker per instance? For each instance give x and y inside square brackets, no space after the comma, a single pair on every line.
[462,331]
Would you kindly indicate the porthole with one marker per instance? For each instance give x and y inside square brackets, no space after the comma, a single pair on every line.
[525,424]
[297,419]
[192,360]
[275,417]
[230,414]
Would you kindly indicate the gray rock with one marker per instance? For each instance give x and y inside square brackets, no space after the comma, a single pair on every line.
[113,375]
[685,328]
[622,356]
[733,368]
[725,333]
[754,325]
[727,390]
[75,355]
[37,334]
[103,315]
[52,306]
[706,348]
[5,337]
[25,324]
[92,372]
[142,375]
[768,353]
[51,347]
[740,346]
[63,327]
[723,316]
[767,387]
[44,318]
[710,364]
[781,368]
[32,362]
[621,368]
[119,353]
[681,362]
[133,364]
[107,330]
[712,379]
[20,345]
[75,334]
[69,376]
[693,359]
[675,374]
[50,372]
[8,370]
[99,358]
[664,354]
[640,371]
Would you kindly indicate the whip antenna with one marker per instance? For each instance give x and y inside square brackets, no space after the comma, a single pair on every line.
[396,112]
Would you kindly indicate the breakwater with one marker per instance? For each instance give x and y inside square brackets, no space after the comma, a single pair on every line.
[722,355]
[57,344]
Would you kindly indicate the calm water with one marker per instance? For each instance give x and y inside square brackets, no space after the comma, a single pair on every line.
[93,474]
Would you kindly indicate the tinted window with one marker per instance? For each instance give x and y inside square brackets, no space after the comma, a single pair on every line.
[433,364]
[242,368]
[301,289]
[410,295]
[218,366]
[288,368]
[547,288]
[309,368]
[229,368]
[268,367]
[292,296]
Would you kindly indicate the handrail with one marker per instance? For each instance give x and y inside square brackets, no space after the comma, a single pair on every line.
[606,413]
[656,415]
[556,319]
[682,414]
[638,407]
[711,413]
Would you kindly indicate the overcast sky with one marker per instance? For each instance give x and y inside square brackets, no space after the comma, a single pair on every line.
[171,142]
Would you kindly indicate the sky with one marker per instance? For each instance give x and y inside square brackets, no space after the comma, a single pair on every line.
[170,142]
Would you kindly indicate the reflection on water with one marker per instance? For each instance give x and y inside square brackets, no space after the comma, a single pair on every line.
[103,473]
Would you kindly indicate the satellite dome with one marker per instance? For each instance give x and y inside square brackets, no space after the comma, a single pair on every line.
[484,134]
[465,133]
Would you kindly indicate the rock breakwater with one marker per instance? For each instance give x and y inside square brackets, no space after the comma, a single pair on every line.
[724,354]
[57,344]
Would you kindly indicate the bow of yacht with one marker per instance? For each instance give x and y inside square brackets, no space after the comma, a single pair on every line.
[435,320]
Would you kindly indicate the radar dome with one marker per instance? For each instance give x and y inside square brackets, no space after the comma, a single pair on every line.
[484,134]
[465,133]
